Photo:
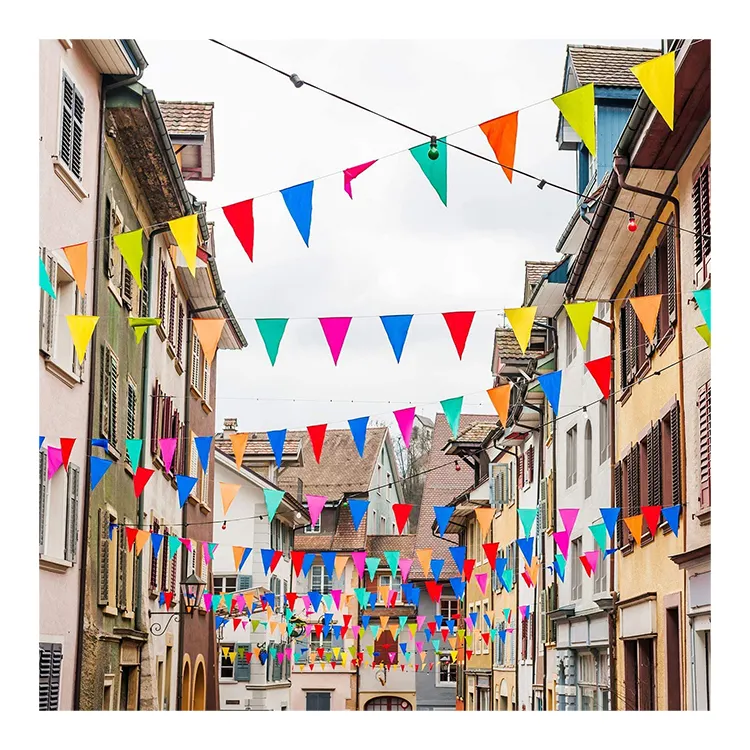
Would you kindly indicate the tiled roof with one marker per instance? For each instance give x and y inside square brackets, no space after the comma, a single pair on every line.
[187,118]
[340,470]
[608,66]
[257,445]
[377,545]
[535,269]
[507,346]
[475,433]
[441,486]
[344,538]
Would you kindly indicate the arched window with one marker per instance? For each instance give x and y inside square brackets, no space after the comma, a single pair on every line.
[587,460]
[388,703]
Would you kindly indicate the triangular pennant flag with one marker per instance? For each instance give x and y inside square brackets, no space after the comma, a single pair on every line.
[609,516]
[468,568]
[140,479]
[353,172]
[703,299]
[586,564]
[459,556]
[424,556]
[141,537]
[272,331]
[521,320]
[277,438]
[77,256]
[405,420]
[185,232]
[527,517]
[297,558]
[672,517]
[156,540]
[173,545]
[560,563]
[208,331]
[239,443]
[372,566]
[359,563]
[647,310]
[273,500]
[452,410]
[97,469]
[657,78]
[551,384]
[167,447]
[577,107]
[580,315]
[130,534]
[45,282]
[500,398]
[635,524]
[401,513]
[228,493]
[358,508]
[130,245]
[490,551]
[335,330]
[568,516]
[436,566]
[315,504]
[501,134]
[459,586]
[358,429]
[141,325]
[81,330]
[592,558]
[435,590]
[651,515]
[527,547]
[240,217]
[392,558]
[704,333]
[95,443]
[203,448]
[270,559]
[599,532]
[601,371]
[435,170]
[317,433]
[315,599]
[459,325]
[484,519]
[66,446]
[481,579]
[329,560]
[404,565]
[298,200]
[396,328]
[184,487]
[562,540]
[340,565]
[133,450]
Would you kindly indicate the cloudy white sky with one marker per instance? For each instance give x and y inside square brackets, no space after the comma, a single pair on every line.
[393,249]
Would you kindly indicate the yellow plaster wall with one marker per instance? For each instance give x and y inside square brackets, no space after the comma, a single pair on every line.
[474,596]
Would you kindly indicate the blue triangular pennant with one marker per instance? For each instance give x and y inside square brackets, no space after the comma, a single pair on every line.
[459,556]
[98,468]
[100,443]
[307,562]
[184,487]
[458,589]
[551,384]
[329,559]
[436,566]
[203,446]
[271,599]
[396,328]
[327,619]
[610,516]
[267,557]
[500,564]
[358,427]
[315,599]
[672,517]
[373,600]
[365,621]
[358,508]
[41,442]
[156,540]
[527,547]
[298,199]
[277,438]
[337,631]
[442,516]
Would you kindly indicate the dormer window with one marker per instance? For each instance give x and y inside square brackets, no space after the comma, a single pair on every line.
[190,127]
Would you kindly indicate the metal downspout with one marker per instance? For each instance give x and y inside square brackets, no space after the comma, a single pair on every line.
[93,348]
[612,583]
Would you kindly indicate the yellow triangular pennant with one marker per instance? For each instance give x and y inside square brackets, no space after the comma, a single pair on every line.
[81,330]
[130,246]
[577,107]
[704,333]
[647,310]
[657,78]
[521,320]
[185,232]
[580,315]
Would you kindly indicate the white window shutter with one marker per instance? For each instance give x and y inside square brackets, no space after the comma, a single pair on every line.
[71,515]
[43,486]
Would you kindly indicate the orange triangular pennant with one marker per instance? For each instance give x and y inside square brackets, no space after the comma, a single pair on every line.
[208,331]
[228,493]
[647,310]
[501,134]
[424,556]
[635,524]
[77,256]
[140,539]
[237,552]
[500,398]
[239,441]
[484,518]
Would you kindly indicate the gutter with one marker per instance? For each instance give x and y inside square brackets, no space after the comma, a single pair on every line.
[105,89]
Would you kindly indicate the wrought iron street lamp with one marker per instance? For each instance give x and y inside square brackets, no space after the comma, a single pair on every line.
[191,590]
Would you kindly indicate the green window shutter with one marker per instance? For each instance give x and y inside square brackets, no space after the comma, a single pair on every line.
[244,582]
[71,515]
[241,666]
[103,557]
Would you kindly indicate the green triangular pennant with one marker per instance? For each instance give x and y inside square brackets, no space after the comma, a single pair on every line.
[703,299]
[527,516]
[436,171]
[271,331]
[392,559]
[372,565]
[599,532]
[452,409]
[273,500]
[44,280]
[133,449]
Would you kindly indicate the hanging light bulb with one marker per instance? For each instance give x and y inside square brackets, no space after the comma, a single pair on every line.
[224,525]
[632,226]
[433,153]
[458,467]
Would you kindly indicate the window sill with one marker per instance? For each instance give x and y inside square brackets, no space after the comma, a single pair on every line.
[206,408]
[69,179]
[644,369]
[665,341]
[161,333]
[129,469]
[61,374]
[626,394]
[178,366]
[170,349]
[205,509]
[111,611]
[111,450]
[54,564]
[627,549]
[703,516]
[192,500]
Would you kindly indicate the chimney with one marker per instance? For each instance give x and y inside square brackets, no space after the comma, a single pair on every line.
[230,425]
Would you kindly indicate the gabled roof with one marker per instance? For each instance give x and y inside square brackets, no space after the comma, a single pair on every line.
[187,118]
[378,545]
[258,446]
[343,539]
[608,66]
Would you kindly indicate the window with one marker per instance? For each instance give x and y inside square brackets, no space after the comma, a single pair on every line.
[501,484]
[43,492]
[225,584]
[195,364]
[587,698]
[571,457]
[166,422]
[71,127]
[391,583]
[130,426]
[702,223]
[205,389]
[576,569]
[171,329]
[529,464]
[385,645]
[588,459]
[313,528]
[603,431]
[71,512]
[107,583]
[125,571]
[639,675]
[320,581]
[180,331]
[50,668]
[228,658]
[447,668]
[109,390]
[317,701]
[154,572]
[704,421]
[600,576]
[382,524]
[570,342]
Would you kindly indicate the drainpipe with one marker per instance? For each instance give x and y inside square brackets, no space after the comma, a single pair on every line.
[554,514]
[612,584]
[93,348]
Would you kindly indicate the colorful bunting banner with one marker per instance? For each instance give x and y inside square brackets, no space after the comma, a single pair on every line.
[77,256]
[272,331]
[185,232]
[435,170]
[601,371]
[551,383]
[208,331]
[317,433]
[45,282]
[521,320]
[130,245]
[358,508]
[335,330]
[203,448]
[501,134]
[358,429]
[240,218]
[396,328]
[657,77]
[459,325]
[228,493]
[298,200]
[577,107]
[81,330]
[702,298]
[273,499]
[353,172]
[500,398]
[580,315]
[98,467]
[405,420]
[452,410]
[647,310]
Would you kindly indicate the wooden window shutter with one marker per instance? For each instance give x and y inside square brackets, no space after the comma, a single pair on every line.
[48,316]
[50,666]
[66,121]
[241,665]
[180,330]
[195,364]
[113,394]
[702,222]
[127,286]
[530,468]
[704,412]
[672,280]
[654,465]
[620,540]
[650,288]
[162,292]
[77,144]
[104,373]
[144,291]
[674,423]
[205,390]
[155,399]
[634,481]
[43,489]
[103,557]
[122,568]
[519,465]
[71,515]
[524,637]
[163,556]
[132,411]
[624,369]
[106,239]
[172,304]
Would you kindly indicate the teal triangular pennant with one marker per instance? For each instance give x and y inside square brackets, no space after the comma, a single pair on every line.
[436,171]
[452,409]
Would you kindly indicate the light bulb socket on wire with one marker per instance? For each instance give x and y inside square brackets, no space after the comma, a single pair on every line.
[632,224]
[433,152]
[296,80]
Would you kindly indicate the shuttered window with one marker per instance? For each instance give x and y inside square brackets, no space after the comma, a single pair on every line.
[241,665]
[162,292]
[588,459]
[144,291]
[180,330]
[71,512]
[109,395]
[530,465]
[43,490]
[524,637]
[571,457]
[104,562]
[603,431]
[163,558]
[122,569]
[195,364]
[520,473]
[50,668]
[676,466]
[620,539]
[132,411]
[634,482]
[172,309]
[48,308]
[71,127]
[704,418]
[702,223]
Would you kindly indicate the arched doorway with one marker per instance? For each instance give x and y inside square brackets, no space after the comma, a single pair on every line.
[199,686]
[185,700]
[388,703]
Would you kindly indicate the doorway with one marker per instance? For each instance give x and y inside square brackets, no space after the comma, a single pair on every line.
[199,688]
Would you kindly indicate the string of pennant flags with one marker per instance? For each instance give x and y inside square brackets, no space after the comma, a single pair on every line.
[577,107]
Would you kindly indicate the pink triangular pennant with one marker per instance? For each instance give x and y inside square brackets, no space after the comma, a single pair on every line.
[315,504]
[481,579]
[54,461]
[352,172]
[562,540]
[167,447]
[569,516]
[405,419]
[592,558]
[335,330]
[359,562]
[404,565]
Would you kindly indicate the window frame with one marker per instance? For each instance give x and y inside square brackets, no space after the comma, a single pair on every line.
[571,457]
[77,94]
[576,573]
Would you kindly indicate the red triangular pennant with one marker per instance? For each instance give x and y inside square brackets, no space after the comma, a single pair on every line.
[486,637]
[168,596]
[317,433]
[468,568]
[435,590]
[491,551]
[275,560]
[130,534]
[291,598]
[601,371]
[66,446]
[401,513]
[297,559]
[142,476]
[459,324]
[240,216]
[586,564]
[468,654]
[652,514]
